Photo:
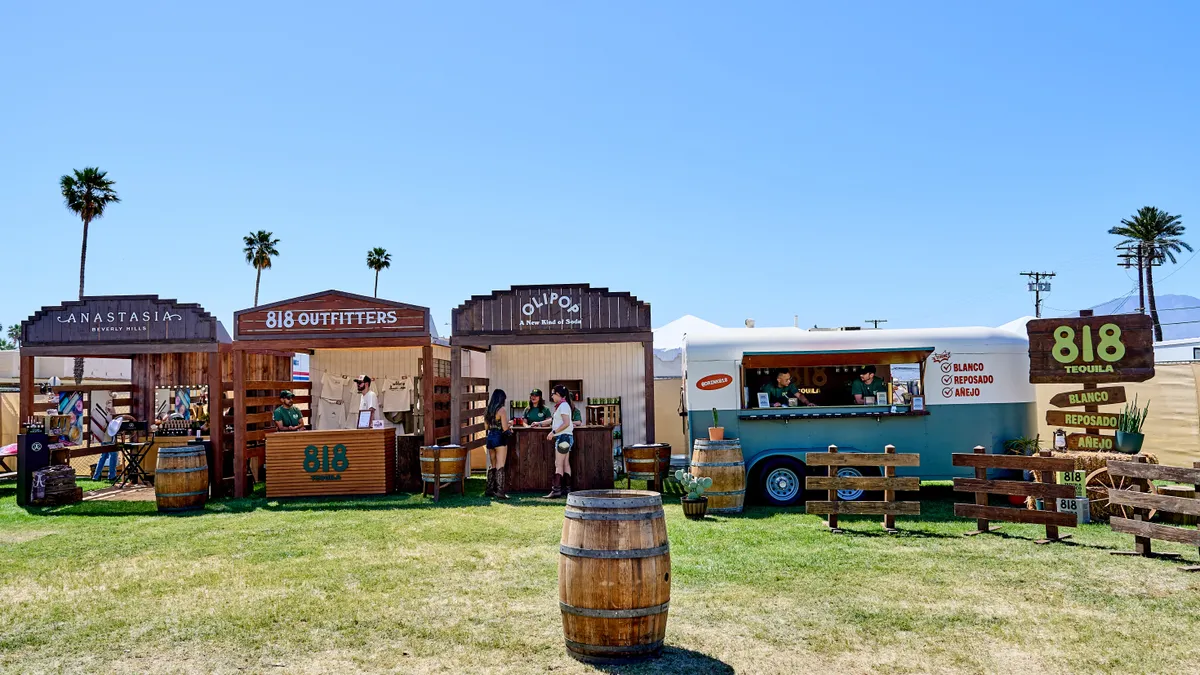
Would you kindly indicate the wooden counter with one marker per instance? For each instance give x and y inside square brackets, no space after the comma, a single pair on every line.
[326,463]
[530,464]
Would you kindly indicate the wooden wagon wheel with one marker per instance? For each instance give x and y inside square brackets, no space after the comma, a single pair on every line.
[1097,485]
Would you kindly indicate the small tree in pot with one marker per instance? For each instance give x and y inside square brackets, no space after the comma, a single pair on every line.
[695,505]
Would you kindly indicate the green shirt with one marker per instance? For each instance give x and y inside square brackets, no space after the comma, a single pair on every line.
[537,414]
[576,418]
[780,394]
[860,388]
[290,417]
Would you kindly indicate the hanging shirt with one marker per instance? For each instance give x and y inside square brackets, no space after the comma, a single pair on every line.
[396,395]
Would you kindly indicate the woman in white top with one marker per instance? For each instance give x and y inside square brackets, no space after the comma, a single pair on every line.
[562,432]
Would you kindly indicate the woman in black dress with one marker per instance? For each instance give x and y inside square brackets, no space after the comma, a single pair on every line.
[498,433]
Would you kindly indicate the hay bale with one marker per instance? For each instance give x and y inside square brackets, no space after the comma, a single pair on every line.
[1090,462]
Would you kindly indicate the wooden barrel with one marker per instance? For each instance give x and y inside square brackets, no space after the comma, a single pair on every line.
[181,479]
[722,462]
[614,575]
[451,462]
[639,460]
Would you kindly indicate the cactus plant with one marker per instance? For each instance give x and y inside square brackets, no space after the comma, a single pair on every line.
[716,422]
[695,486]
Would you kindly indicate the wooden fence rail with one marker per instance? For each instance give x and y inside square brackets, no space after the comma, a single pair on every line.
[1049,492]
[1142,502]
[889,508]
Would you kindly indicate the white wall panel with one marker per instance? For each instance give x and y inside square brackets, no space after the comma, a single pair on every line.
[607,370]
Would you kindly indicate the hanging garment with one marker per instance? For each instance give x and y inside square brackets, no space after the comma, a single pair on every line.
[331,404]
[397,395]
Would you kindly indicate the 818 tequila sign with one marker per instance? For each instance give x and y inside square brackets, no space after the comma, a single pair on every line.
[321,464]
[1091,349]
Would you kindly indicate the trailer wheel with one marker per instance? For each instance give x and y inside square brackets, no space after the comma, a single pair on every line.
[781,481]
[857,472]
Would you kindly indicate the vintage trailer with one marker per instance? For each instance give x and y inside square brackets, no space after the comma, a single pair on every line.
[948,390]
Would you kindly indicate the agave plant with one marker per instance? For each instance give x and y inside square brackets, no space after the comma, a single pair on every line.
[1132,417]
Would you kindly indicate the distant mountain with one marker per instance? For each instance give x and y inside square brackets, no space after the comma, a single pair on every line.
[1182,310]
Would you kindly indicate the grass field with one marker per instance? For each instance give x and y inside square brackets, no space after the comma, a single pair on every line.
[399,585]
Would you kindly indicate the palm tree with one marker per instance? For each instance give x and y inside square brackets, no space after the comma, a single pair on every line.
[1156,235]
[378,259]
[86,193]
[14,335]
[7,344]
[260,248]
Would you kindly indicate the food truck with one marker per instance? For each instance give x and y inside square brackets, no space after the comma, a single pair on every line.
[945,390]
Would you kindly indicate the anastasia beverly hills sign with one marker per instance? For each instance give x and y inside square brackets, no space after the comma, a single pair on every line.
[119,318]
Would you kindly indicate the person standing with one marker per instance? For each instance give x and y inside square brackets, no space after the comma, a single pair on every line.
[369,400]
[287,416]
[498,433]
[537,415]
[868,384]
[783,390]
[562,432]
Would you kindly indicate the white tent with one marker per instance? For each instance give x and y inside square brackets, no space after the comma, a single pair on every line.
[668,344]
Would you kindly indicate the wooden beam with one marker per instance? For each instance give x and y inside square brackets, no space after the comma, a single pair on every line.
[25,406]
[1143,528]
[1018,462]
[1014,487]
[468,341]
[648,354]
[457,399]
[121,350]
[1177,474]
[862,459]
[864,508]
[216,422]
[1146,500]
[1015,515]
[427,375]
[239,424]
[862,483]
[302,345]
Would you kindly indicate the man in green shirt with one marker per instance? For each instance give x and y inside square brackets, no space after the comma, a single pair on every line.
[782,390]
[868,384]
[287,416]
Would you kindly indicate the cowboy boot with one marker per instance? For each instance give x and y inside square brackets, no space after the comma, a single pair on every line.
[555,487]
[490,490]
[566,484]
[499,492]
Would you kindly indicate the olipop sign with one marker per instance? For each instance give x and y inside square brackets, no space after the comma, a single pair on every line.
[550,310]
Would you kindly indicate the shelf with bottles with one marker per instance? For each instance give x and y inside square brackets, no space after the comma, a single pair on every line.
[604,411]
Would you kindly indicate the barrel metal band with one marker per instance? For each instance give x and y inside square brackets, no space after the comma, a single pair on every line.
[600,515]
[614,555]
[184,494]
[660,460]
[451,477]
[718,463]
[731,492]
[191,470]
[614,613]
[614,649]
[614,502]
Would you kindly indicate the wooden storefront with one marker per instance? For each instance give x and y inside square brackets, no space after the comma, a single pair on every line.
[352,335]
[595,341]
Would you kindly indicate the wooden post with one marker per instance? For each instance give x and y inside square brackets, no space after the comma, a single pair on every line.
[1050,504]
[239,423]
[216,422]
[1141,545]
[981,498]
[1090,408]
[456,402]
[648,353]
[437,473]
[833,495]
[1195,465]
[25,405]
[427,371]
[889,471]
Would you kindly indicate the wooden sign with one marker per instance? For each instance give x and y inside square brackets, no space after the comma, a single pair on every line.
[1087,420]
[120,320]
[1077,478]
[1081,397]
[570,309]
[323,463]
[1091,349]
[1096,442]
[331,314]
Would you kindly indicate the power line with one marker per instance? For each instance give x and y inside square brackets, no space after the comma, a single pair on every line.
[1037,286]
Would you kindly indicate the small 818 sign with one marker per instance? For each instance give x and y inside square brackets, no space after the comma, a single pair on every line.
[322,466]
[1092,349]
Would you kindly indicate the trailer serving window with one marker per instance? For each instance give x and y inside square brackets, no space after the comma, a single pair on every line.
[826,379]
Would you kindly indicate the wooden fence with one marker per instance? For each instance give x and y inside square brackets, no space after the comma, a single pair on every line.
[889,508]
[1143,502]
[1047,490]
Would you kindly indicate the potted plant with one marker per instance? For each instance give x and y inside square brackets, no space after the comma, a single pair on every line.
[695,505]
[1129,428]
[1023,446]
[716,432]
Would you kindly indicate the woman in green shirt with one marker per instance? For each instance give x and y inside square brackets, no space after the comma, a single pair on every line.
[537,414]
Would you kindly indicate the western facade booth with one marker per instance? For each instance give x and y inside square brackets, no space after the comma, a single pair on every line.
[596,342]
[181,367]
[339,452]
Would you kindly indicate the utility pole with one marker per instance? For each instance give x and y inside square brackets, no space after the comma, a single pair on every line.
[876,321]
[1037,287]
[1140,256]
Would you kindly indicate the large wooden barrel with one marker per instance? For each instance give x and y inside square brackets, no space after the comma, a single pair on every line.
[639,460]
[722,462]
[181,479]
[451,463]
[614,575]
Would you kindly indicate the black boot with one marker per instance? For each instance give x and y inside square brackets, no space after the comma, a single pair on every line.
[556,487]
[490,490]
[499,492]
[566,484]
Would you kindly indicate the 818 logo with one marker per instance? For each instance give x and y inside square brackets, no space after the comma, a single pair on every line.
[318,461]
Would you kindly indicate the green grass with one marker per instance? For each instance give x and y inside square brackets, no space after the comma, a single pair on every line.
[398,584]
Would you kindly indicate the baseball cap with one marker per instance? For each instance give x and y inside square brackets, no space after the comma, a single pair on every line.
[285,394]
[363,378]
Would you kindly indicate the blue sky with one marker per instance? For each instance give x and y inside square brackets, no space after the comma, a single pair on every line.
[839,161]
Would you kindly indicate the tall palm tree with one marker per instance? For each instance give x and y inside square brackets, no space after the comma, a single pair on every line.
[86,193]
[1156,235]
[378,259]
[14,334]
[260,248]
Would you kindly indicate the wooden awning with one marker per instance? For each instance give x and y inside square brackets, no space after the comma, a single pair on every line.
[835,358]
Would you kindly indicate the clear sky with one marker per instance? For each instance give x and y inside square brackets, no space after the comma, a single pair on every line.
[839,161]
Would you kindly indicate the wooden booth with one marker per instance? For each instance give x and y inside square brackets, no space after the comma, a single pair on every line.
[181,366]
[346,336]
[596,342]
